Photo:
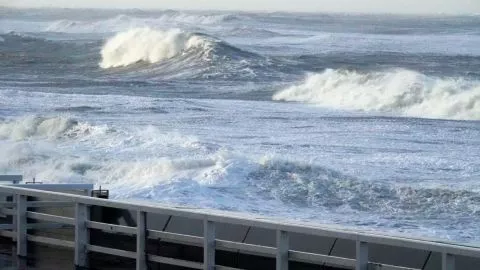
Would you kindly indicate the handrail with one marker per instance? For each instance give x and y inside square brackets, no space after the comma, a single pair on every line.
[15,179]
[261,222]
[210,217]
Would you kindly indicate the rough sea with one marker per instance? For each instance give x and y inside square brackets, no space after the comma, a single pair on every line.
[367,121]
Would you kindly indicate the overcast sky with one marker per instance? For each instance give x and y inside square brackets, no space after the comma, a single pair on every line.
[387,6]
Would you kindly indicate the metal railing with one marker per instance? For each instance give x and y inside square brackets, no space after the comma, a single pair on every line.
[282,252]
[14,179]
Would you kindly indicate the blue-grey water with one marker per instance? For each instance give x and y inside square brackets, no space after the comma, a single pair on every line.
[368,121]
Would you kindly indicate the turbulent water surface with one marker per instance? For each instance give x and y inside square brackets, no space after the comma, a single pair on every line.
[368,121]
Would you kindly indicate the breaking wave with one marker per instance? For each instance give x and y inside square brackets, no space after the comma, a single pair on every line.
[44,127]
[145,162]
[310,185]
[177,16]
[125,21]
[151,46]
[403,92]
[152,54]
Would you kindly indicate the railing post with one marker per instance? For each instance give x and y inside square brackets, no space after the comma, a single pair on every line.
[208,245]
[282,250]
[362,256]
[14,218]
[141,239]
[448,261]
[21,222]
[82,237]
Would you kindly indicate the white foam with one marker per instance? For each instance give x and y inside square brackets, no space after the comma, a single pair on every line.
[101,26]
[53,148]
[151,46]
[194,19]
[50,128]
[401,92]
[120,22]
[132,162]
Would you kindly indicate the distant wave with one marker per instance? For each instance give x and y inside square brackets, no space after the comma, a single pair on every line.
[178,16]
[19,36]
[78,109]
[402,92]
[124,21]
[37,51]
[252,31]
[65,26]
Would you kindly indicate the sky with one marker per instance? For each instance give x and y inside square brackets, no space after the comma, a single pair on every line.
[364,6]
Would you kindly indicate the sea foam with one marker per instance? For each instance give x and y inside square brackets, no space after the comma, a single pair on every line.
[403,92]
[123,21]
[45,127]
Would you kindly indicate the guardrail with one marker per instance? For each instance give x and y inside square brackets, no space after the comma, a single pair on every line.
[209,242]
[14,179]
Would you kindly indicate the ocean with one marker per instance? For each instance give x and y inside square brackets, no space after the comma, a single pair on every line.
[366,121]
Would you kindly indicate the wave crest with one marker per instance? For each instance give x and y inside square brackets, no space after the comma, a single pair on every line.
[46,127]
[151,46]
[123,21]
[182,17]
[63,26]
[402,92]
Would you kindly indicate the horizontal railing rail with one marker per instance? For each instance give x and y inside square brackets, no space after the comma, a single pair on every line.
[282,252]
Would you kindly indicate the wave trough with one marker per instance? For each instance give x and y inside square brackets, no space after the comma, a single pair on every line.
[403,92]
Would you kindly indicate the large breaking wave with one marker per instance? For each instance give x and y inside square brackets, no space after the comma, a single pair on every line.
[176,53]
[152,46]
[403,92]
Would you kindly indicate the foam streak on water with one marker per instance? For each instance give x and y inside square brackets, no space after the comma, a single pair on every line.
[366,121]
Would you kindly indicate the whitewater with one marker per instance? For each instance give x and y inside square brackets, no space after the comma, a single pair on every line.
[367,121]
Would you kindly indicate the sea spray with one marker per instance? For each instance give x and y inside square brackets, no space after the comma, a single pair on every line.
[400,91]
[123,21]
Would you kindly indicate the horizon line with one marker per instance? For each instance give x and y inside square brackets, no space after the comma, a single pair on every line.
[153,9]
